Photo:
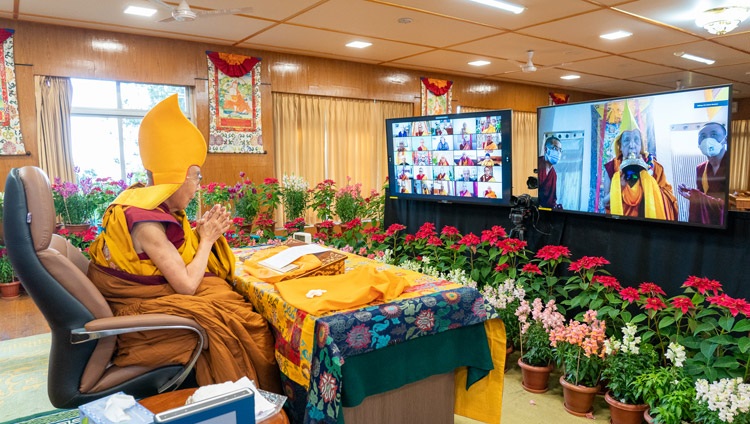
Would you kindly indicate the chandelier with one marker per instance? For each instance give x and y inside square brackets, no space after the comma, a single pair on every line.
[721,20]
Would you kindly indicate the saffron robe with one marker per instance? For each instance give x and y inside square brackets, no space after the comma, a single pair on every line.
[636,208]
[708,206]
[239,340]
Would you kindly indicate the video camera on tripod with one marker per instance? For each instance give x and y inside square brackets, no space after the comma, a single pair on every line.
[519,214]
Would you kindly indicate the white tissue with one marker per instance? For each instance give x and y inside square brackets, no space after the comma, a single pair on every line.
[315,292]
[262,405]
[114,409]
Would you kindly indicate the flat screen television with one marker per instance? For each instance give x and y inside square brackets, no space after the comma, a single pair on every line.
[658,157]
[461,157]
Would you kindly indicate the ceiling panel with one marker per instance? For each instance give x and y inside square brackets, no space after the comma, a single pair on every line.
[311,42]
[645,35]
[446,34]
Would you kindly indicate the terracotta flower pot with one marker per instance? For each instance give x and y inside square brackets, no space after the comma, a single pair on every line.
[77,228]
[647,417]
[535,379]
[10,290]
[508,351]
[579,400]
[624,413]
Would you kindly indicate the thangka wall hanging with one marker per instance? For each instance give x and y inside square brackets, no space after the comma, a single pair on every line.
[11,142]
[558,98]
[234,103]
[436,96]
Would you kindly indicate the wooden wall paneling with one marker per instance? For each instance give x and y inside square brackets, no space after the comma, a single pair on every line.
[68,52]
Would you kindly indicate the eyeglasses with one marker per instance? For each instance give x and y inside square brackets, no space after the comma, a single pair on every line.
[553,147]
[197,179]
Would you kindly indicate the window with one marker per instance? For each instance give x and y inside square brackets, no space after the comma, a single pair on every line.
[105,118]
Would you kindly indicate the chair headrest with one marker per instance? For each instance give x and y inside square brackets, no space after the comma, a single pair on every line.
[40,205]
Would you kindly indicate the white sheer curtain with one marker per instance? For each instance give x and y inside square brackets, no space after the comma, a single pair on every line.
[54,96]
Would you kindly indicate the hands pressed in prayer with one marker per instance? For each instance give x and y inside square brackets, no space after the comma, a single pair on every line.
[214,223]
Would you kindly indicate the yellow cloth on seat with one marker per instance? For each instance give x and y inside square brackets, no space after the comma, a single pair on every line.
[355,288]
[483,401]
[305,263]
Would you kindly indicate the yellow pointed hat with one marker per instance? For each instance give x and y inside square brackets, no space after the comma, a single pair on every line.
[169,145]
[627,123]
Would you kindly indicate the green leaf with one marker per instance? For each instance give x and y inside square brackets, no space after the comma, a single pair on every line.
[704,327]
[742,326]
[638,318]
[666,322]
[726,323]
[744,344]
[708,348]
[726,362]
[721,340]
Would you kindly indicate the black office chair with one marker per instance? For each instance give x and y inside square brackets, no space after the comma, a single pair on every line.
[84,331]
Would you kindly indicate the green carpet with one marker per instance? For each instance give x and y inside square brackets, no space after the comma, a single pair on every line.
[23,392]
[23,377]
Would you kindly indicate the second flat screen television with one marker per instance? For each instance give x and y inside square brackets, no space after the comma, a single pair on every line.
[463,157]
[661,157]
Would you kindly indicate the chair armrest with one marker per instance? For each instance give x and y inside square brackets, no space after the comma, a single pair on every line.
[112,326]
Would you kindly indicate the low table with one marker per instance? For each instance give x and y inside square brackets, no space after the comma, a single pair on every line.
[169,400]
[740,201]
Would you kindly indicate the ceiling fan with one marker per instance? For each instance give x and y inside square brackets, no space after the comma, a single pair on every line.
[529,66]
[183,12]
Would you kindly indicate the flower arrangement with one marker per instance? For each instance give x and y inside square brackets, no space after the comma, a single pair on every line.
[724,401]
[625,361]
[265,227]
[294,196]
[348,202]
[6,269]
[579,349]
[578,291]
[84,202]
[270,196]
[536,349]
[506,298]
[245,197]
[80,239]
[213,194]
[295,225]
[540,274]
[668,391]
[322,197]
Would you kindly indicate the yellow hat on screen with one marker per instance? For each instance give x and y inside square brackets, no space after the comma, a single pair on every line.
[628,123]
[169,145]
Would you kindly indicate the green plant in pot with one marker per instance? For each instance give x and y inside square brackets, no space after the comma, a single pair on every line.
[669,391]
[536,350]
[246,199]
[626,359]
[9,285]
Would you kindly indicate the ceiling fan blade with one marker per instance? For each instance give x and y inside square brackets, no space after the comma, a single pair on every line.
[169,19]
[162,4]
[218,12]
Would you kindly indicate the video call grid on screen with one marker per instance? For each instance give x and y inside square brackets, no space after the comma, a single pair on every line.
[459,156]
[670,124]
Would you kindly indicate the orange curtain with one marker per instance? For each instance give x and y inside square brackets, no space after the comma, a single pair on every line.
[739,171]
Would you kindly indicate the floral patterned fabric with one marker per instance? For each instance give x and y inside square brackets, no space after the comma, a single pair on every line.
[312,349]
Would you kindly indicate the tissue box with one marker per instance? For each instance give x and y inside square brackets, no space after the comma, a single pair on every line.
[93,413]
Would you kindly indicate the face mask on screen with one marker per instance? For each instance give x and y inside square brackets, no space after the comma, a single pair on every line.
[552,156]
[710,147]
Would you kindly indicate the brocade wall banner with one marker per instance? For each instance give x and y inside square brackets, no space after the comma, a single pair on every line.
[436,96]
[11,142]
[234,104]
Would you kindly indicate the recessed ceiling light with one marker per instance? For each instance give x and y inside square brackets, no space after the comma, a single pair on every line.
[140,11]
[479,63]
[615,35]
[570,77]
[695,58]
[405,20]
[359,44]
[504,5]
